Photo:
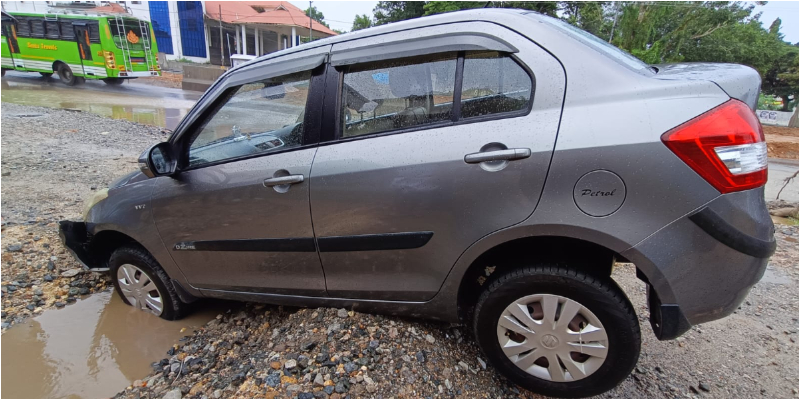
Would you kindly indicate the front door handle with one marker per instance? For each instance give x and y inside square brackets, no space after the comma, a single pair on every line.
[283,180]
[497,155]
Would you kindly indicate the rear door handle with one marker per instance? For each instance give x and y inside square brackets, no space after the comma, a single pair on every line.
[283,180]
[497,155]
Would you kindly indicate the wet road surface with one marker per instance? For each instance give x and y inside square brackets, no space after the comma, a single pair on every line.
[91,349]
[141,103]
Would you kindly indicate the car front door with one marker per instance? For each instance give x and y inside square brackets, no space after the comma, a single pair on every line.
[431,152]
[236,216]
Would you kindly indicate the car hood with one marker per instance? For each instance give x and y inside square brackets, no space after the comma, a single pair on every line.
[132,177]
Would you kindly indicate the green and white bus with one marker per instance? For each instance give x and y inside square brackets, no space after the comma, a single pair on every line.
[79,47]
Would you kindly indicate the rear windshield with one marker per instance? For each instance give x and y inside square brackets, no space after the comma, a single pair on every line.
[129,35]
[596,43]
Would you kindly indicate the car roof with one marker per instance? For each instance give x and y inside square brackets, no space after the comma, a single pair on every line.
[496,15]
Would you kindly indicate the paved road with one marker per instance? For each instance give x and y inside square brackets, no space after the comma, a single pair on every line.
[778,171]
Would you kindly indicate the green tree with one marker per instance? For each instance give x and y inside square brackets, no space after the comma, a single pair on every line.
[316,15]
[393,11]
[361,22]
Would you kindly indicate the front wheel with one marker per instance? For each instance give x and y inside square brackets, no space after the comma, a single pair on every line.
[113,81]
[558,331]
[143,284]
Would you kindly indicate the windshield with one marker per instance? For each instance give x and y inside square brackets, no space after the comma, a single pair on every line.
[130,34]
[596,43]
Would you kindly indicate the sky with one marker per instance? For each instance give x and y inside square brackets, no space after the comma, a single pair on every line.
[340,14]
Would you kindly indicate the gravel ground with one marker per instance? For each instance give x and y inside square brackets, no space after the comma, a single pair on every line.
[51,161]
[57,158]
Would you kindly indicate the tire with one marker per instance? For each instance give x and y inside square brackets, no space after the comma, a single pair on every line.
[2,72]
[46,74]
[601,302]
[66,75]
[134,256]
[113,81]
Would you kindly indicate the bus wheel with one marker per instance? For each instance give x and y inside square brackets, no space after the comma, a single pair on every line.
[66,75]
[46,74]
[113,81]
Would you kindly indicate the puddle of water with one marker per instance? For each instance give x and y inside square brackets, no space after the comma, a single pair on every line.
[773,276]
[138,103]
[92,349]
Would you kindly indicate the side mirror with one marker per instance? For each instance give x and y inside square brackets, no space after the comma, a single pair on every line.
[157,161]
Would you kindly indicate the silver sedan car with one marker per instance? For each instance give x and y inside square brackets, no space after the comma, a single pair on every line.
[485,167]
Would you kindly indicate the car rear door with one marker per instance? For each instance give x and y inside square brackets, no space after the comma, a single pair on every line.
[441,136]
[236,216]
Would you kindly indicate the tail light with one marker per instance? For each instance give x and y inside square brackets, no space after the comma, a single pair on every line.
[725,146]
[109,57]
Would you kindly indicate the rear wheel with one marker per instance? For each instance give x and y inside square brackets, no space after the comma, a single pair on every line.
[46,74]
[113,81]
[66,76]
[557,331]
[141,283]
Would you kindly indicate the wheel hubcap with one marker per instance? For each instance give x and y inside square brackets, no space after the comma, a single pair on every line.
[552,337]
[140,291]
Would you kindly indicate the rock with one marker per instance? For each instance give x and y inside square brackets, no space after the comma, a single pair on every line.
[14,248]
[70,273]
[341,387]
[308,346]
[273,379]
[420,356]
[290,364]
[328,390]
[342,313]
[350,367]
[704,387]
[430,339]
[274,364]
[318,380]
[372,388]
[173,394]
[48,278]
[216,394]
[448,384]
[305,395]
[482,363]
[73,292]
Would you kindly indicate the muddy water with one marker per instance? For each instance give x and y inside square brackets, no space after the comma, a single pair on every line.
[134,102]
[92,349]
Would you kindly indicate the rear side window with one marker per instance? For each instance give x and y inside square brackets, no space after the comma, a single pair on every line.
[258,117]
[390,95]
[23,27]
[67,31]
[52,30]
[398,94]
[37,27]
[493,84]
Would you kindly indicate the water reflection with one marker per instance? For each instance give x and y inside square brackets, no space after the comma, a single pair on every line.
[92,349]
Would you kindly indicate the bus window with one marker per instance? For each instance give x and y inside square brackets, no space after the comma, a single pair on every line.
[67,31]
[37,27]
[131,33]
[94,32]
[23,27]
[52,31]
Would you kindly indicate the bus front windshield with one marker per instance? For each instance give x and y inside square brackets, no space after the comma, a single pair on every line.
[128,36]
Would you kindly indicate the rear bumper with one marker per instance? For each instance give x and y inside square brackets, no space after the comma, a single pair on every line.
[701,267]
[75,238]
[137,74]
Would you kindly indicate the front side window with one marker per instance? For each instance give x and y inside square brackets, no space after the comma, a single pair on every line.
[398,94]
[493,84]
[258,117]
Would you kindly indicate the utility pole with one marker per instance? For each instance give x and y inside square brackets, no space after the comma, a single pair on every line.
[221,43]
[310,22]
